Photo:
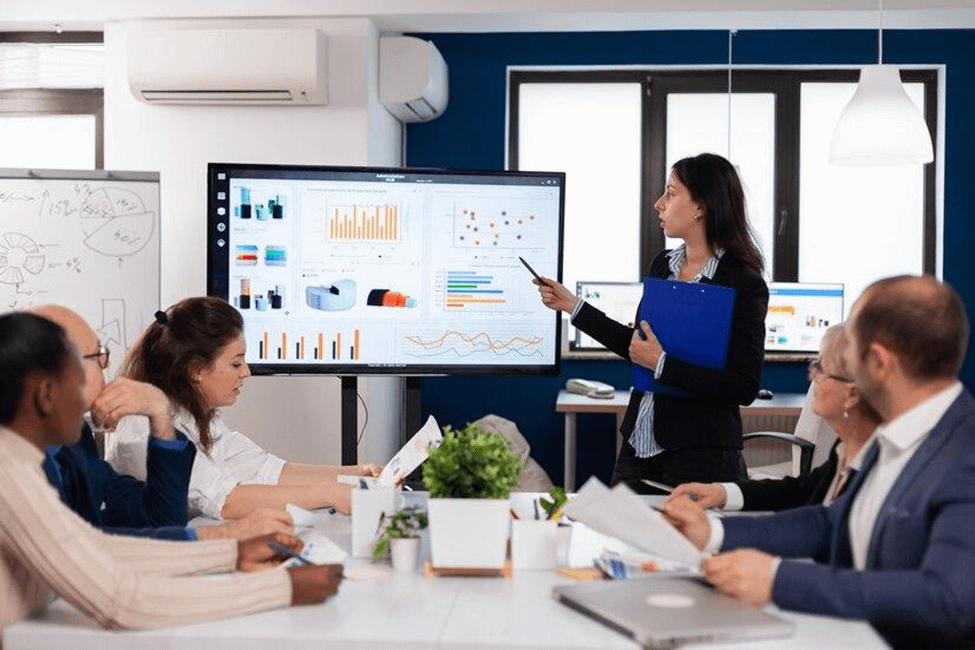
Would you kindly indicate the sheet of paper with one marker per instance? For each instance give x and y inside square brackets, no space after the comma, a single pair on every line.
[407,459]
[318,547]
[621,513]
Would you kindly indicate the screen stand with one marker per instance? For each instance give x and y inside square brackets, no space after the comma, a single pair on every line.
[412,412]
[412,421]
[350,434]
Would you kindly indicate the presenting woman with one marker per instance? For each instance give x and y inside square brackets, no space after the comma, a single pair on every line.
[695,436]
[194,352]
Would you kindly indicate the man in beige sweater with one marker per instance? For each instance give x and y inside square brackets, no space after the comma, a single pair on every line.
[124,582]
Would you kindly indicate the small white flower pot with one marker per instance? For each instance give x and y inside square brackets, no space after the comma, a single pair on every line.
[469,533]
[404,552]
[539,544]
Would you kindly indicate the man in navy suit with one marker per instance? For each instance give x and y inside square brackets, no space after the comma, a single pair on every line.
[901,540]
[118,503]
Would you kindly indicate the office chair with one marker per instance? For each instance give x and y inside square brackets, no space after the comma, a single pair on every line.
[810,444]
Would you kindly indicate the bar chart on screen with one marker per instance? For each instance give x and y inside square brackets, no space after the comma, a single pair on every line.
[336,345]
[365,223]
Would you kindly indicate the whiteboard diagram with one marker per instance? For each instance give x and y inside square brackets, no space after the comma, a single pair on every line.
[19,255]
[85,239]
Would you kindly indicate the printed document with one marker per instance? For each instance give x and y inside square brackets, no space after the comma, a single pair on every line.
[407,459]
[620,512]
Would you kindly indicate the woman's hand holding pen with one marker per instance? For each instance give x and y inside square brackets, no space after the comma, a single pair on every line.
[555,296]
[707,495]
[646,349]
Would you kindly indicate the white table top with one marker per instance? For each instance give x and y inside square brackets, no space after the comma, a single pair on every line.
[407,611]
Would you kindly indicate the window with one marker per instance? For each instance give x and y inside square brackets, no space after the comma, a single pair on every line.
[51,100]
[808,215]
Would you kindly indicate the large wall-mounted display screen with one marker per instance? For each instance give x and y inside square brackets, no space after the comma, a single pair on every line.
[344,270]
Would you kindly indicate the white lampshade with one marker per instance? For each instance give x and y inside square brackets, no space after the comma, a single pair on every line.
[880,125]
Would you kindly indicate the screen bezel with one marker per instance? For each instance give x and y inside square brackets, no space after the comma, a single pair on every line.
[218,266]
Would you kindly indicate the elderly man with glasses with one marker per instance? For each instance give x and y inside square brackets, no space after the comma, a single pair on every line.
[117,503]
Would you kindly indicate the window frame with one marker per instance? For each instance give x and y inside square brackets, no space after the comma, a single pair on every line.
[58,101]
[786,85]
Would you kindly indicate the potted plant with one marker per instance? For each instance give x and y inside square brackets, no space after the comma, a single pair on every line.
[399,536]
[470,477]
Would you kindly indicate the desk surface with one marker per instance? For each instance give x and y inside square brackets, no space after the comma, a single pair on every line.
[575,403]
[407,611]
[786,403]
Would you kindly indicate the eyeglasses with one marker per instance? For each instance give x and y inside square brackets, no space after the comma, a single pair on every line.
[101,356]
[816,370]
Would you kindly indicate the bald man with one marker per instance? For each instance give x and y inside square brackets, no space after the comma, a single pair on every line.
[118,503]
[901,540]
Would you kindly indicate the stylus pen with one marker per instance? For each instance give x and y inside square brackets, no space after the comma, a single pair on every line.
[665,488]
[532,271]
[284,550]
[659,486]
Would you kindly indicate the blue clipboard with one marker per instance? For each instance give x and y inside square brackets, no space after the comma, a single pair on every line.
[691,320]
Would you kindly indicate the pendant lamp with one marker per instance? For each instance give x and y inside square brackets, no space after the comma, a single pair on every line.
[881,125]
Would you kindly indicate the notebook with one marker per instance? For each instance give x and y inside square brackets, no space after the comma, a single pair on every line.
[665,612]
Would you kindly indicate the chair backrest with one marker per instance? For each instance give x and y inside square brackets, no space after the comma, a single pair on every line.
[813,428]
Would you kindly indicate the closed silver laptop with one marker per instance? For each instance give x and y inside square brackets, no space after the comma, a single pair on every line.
[665,612]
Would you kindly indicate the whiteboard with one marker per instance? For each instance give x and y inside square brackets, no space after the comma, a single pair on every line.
[88,240]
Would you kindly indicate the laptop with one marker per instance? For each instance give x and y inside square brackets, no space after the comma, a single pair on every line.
[666,612]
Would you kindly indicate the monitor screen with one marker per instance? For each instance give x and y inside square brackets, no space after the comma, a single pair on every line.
[618,300]
[799,313]
[343,270]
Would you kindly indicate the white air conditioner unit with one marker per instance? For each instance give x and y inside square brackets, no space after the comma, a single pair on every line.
[229,66]
[412,78]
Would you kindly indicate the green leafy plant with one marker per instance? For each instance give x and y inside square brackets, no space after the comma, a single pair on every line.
[471,464]
[553,508]
[405,523]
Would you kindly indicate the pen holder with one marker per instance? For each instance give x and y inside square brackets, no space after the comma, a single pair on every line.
[539,544]
[368,507]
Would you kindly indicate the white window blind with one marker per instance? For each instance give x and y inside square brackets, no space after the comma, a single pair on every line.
[45,65]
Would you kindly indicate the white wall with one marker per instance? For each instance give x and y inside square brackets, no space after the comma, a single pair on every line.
[296,417]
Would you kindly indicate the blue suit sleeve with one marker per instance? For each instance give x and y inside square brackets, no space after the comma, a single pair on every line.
[173,533]
[159,501]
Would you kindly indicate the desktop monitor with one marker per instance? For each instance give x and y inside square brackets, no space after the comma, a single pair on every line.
[618,300]
[799,313]
[365,270]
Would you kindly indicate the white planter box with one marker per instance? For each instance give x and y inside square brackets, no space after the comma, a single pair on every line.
[469,533]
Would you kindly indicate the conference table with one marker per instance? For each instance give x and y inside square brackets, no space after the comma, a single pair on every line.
[379,608]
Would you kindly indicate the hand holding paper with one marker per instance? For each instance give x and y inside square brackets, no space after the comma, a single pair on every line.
[407,459]
[623,514]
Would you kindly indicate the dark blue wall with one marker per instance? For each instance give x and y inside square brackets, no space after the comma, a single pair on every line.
[471,134]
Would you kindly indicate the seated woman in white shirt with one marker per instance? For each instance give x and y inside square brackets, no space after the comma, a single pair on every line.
[194,352]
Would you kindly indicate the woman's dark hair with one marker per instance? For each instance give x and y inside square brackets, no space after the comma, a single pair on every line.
[713,182]
[179,343]
[28,344]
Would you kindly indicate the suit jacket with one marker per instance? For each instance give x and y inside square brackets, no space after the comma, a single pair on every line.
[710,416]
[917,589]
[791,491]
[118,503]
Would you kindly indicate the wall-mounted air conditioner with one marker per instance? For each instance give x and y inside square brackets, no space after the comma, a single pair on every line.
[228,66]
[412,78]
